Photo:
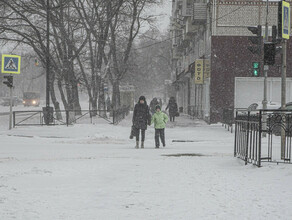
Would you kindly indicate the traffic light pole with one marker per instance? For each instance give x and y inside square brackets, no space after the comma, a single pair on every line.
[283,93]
[10,108]
[266,68]
[284,70]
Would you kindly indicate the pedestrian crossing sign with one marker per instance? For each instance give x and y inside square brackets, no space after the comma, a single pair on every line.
[10,64]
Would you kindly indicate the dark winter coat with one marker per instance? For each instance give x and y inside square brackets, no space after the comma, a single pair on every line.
[153,104]
[172,106]
[141,116]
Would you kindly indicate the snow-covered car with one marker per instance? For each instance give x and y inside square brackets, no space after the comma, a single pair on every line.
[258,105]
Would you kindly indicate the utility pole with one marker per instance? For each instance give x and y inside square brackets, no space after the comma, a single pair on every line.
[47,110]
[9,83]
[10,108]
[284,70]
[48,58]
[284,34]
[283,94]
[266,68]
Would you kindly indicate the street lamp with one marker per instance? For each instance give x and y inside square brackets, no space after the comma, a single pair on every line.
[48,111]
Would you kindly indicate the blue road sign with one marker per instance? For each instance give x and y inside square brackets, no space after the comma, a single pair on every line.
[10,64]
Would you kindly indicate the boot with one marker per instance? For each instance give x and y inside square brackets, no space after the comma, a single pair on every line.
[142,144]
[137,144]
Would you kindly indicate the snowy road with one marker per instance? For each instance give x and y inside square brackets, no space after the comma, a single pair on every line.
[94,172]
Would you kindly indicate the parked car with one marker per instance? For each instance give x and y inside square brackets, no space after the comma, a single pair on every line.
[289,106]
[259,105]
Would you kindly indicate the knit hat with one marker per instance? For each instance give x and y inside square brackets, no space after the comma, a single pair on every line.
[157,107]
[142,98]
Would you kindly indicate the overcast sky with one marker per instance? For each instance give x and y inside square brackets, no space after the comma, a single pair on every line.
[165,11]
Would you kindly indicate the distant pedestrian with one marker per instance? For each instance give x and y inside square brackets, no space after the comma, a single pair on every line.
[159,119]
[141,117]
[153,103]
[173,110]
[108,104]
[160,103]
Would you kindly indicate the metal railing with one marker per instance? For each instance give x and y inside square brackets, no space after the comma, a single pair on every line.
[258,140]
[69,117]
[120,114]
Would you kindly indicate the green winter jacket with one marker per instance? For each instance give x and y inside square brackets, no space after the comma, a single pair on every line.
[159,119]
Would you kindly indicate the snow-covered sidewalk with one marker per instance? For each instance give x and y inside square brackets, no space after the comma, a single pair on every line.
[94,172]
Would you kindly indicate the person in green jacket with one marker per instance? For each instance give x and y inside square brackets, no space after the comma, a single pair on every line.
[159,119]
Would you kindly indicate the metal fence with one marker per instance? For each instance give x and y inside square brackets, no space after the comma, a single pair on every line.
[69,117]
[120,114]
[263,136]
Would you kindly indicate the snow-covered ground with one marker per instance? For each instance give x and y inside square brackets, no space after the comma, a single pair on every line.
[94,172]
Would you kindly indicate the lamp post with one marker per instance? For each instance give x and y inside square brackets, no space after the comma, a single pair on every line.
[48,58]
[48,111]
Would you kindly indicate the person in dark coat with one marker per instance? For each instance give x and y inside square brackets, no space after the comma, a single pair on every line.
[141,117]
[173,110]
[160,103]
[154,102]
[108,104]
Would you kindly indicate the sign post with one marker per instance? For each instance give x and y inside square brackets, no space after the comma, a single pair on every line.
[10,108]
[11,65]
[284,34]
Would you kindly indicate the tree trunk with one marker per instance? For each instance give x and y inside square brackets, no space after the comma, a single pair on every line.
[95,92]
[54,99]
[94,107]
[116,95]
[76,103]
[63,98]
[101,100]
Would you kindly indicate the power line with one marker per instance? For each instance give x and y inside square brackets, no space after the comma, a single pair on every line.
[183,34]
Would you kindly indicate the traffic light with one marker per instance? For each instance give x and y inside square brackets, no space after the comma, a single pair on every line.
[36,62]
[256,69]
[257,40]
[269,53]
[9,81]
[274,34]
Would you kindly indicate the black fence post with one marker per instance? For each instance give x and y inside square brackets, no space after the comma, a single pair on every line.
[67,118]
[247,137]
[90,114]
[235,137]
[260,139]
[13,119]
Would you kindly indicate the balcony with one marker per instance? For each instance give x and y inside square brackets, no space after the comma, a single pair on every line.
[199,13]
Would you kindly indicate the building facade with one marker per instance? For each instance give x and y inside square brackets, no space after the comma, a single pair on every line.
[214,35]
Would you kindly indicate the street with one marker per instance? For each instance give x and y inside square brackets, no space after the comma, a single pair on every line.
[93,172]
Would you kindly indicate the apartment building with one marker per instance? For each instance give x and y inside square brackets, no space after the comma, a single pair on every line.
[215,33]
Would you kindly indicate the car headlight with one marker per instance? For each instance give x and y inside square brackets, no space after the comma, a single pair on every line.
[33,102]
[23,102]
